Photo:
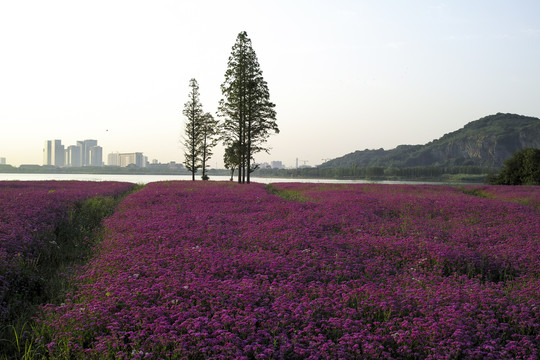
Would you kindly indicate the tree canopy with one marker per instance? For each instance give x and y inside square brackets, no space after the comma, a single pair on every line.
[200,133]
[209,132]
[231,158]
[249,115]
[523,168]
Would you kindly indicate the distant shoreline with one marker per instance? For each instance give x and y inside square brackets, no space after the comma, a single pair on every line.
[266,175]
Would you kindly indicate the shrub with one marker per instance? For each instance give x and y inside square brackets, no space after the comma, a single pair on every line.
[523,168]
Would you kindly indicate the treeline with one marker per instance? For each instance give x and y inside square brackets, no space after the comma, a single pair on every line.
[435,173]
[523,168]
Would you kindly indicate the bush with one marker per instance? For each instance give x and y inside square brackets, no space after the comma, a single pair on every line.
[523,168]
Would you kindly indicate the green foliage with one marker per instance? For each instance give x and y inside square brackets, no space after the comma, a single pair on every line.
[425,173]
[193,132]
[231,157]
[475,191]
[289,195]
[249,115]
[70,245]
[7,168]
[209,133]
[200,134]
[523,168]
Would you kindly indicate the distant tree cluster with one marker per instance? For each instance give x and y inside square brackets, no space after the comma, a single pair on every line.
[247,112]
[378,173]
[523,168]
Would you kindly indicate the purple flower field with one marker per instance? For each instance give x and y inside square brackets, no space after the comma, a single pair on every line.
[210,270]
[527,195]
[29,212]
[29,208]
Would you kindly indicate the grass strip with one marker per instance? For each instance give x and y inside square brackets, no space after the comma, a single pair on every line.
[47,279]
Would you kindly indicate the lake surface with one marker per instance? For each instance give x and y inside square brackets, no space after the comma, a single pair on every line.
[145,179]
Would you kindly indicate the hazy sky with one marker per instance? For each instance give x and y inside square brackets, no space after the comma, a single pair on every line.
[344,75]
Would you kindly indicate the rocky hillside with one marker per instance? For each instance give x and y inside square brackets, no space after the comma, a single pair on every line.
[487,142]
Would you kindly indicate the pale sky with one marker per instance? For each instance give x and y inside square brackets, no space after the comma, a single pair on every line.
[344,75]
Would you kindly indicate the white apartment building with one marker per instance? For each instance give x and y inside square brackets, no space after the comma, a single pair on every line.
[54,153]
[126,159]
[95,154]
[73,156]
[58,153]
[47,153]
[113,159]
[85,146]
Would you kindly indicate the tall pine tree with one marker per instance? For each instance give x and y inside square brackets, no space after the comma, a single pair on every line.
[209,133]
[193,133]
[249,115]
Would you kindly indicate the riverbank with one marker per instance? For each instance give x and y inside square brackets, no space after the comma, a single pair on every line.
[418,175]
[148,178]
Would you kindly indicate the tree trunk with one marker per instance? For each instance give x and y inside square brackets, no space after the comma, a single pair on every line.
[240,169]
[204,159]
[193,168]
[248,150]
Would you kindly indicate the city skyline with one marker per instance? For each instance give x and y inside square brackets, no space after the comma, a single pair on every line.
[80,155]
[84,153]
[87,153]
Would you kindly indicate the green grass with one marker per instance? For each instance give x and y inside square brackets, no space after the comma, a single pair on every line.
[475,192]
[289,195]
[69,246]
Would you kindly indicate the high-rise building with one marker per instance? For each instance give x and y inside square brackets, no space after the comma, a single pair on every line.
[47,153]
[95,154]
[113,159]
[126,159]
[58,153]
[2,161]
[73,156]
[80,145]
[54,153]
[85,153]
[136,159]
[85,150]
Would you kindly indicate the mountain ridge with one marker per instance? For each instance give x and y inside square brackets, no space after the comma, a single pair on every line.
[486,142]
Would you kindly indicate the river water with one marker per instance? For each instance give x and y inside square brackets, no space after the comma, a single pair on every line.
[144,179]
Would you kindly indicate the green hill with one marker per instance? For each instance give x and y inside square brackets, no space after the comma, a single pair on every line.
[486,142]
